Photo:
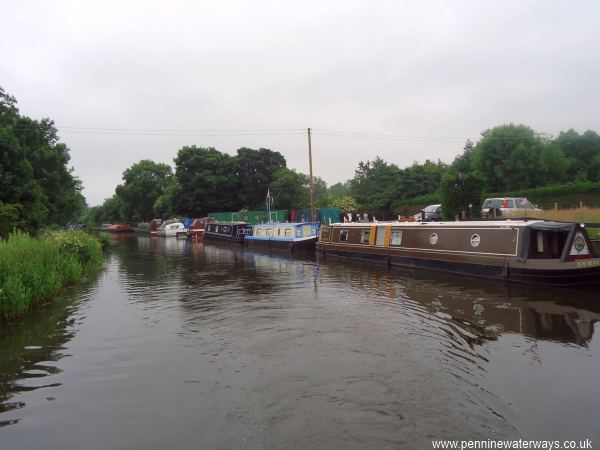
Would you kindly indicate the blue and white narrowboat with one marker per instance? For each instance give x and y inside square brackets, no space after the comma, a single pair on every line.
[285,236]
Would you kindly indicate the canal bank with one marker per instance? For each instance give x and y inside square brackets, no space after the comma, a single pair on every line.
[35,269]
[197,345]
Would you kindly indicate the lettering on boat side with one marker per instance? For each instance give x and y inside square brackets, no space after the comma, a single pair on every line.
[588,263]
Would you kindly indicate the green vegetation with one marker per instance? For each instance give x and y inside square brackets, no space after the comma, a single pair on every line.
[510,160]
[37,188]
[206,180]
[33,270]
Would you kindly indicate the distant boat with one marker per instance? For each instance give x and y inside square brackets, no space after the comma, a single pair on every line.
[286,236]
[160,231]
[154,225]
[526,251]
[119,228]
[226,231]
[176,229]
[196,229]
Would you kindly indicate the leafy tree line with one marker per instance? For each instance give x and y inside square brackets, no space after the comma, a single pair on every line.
[507,158]
[37,186]
[204,180]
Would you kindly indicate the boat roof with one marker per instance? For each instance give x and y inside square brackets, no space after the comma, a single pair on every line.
[284,224]
[534,223]
[227,223]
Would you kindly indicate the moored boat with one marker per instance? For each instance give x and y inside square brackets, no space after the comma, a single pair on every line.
[285,236]
[196,229]
[175,229]
[226,231]
[120,228]
[526,251]
[154,225]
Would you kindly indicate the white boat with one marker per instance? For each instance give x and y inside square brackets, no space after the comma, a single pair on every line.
[172,229]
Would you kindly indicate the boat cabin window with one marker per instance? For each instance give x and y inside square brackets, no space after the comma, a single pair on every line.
[268,231]
[288,232]
[547,244]
[306,230]
[260,231]
[396,238]
[365,236]
[344,236]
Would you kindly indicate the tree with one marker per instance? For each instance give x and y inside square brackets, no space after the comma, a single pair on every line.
[289,189]
[10,218]
[376,184]
[421,179]
[254,171]
[144,183]
[206,182]
[338,190]
[34,171]
[582,152]
[458,191]
[507,157]
[345,203]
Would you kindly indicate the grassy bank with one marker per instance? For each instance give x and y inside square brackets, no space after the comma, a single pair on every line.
[34,270]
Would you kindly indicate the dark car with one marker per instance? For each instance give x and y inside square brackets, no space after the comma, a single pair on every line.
[432,213]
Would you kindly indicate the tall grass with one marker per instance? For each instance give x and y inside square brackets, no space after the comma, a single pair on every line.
[33,270]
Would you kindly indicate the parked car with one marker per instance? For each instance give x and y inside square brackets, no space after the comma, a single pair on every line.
[507,206]
[432,213]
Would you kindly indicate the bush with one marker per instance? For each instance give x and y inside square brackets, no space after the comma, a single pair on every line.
[36,269]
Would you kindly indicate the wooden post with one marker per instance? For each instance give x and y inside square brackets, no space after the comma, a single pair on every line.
[312,188]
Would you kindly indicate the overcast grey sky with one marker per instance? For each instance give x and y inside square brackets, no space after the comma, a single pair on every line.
[432,73]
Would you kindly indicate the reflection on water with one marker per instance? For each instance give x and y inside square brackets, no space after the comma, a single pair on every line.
[226,348]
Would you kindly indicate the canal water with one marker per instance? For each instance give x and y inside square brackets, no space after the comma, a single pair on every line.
[196,345]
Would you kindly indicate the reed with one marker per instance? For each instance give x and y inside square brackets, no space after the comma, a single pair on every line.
[34,270]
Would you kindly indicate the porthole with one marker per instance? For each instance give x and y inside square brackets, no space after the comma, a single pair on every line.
[475,240]
[433,239]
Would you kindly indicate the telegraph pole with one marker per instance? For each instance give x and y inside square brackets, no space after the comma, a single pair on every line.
[312,188]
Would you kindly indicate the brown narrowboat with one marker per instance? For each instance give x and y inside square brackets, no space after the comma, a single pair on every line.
[526,251]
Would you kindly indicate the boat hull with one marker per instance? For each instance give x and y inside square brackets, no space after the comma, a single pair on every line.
[222,238]
[506,272]
[531,252]
[196,235]
[280,244]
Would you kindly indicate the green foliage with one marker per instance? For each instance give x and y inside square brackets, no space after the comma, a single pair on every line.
[506,157]
[458,191]
[144,183]
[254,172]
[376,184]
[10,218]
[36,269]
[290,189]
[583,153]
[345,204]
[337,191]
[34,170]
